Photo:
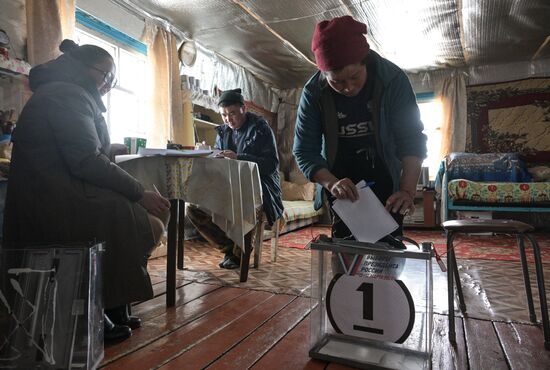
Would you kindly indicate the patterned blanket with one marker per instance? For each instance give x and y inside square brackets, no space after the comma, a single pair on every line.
[499,192]
[501,167]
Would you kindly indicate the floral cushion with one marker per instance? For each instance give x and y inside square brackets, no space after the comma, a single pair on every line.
[499,192]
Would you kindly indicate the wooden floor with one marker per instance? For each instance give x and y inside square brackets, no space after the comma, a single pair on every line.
[226,327]
[219,327]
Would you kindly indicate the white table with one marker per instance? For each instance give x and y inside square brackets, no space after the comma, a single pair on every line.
[229,189]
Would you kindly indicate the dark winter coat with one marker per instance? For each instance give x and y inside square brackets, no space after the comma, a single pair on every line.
[63,188]
[259,147]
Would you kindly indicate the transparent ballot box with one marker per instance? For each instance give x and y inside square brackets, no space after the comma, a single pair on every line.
[51,307]
[371,304]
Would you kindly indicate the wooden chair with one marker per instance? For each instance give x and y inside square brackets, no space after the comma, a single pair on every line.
[177,209]
[521,230]
[260,238]
[254,242]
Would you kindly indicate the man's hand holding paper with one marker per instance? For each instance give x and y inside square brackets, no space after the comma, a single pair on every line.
[344,189]
[367,218]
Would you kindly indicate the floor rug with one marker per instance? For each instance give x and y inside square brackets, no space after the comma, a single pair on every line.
[499,247]
[300,238]
[485,247]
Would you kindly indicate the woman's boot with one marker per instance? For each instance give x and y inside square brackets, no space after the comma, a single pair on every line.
[119,315]
[114,333]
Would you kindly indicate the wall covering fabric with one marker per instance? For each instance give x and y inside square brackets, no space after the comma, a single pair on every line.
[510,117]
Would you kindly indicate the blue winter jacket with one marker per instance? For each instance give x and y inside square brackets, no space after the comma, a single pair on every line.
[395,114]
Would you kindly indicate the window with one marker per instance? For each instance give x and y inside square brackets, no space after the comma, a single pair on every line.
[431,113]
[127,103]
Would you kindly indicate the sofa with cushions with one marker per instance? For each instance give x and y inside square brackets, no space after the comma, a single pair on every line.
[497,182]
[298,196]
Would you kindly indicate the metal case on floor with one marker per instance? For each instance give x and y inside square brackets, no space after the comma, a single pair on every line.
[371,305]
[51,307]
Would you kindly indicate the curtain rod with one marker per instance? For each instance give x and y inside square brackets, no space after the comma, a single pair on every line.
[130,7]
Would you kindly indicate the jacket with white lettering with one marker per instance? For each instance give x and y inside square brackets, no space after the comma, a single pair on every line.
[397,125]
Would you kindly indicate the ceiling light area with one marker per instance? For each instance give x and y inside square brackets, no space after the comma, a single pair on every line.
[410,34]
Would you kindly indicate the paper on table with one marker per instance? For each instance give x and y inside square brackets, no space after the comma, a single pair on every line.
[366,218]
[174,152]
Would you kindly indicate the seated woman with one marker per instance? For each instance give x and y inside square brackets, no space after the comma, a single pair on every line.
[64,188]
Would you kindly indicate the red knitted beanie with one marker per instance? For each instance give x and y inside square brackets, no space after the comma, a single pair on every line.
[339,42]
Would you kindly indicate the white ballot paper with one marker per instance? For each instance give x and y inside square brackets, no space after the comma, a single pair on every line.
[366,218]
[174,152]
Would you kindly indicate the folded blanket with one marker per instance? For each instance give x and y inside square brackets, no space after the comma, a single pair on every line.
[501,167]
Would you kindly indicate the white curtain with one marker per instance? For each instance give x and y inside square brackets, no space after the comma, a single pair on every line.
[166,121]
[48,23]
[286,120]
[452,93]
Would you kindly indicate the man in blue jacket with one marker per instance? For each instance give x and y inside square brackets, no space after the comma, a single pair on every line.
[358,120]
[244,136]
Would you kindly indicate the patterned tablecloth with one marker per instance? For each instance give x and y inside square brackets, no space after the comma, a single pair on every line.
[229,189]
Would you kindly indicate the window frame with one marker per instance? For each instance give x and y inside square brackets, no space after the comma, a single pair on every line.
[119,44]
[431,162]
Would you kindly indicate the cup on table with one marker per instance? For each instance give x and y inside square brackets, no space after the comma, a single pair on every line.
[184,82]
[202,146]
[134,143]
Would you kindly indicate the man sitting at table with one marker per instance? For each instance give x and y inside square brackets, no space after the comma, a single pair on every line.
[248,137]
